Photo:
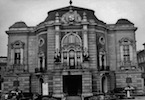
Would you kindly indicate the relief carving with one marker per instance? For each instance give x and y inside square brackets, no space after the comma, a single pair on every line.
[71,16]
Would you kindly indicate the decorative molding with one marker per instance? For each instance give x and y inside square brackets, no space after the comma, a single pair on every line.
[102,40]
[17,44]
[41,54]
[71,16]
[41,41]
[67,35]
[126,40]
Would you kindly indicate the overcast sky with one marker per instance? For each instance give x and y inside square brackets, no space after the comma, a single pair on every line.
[32,12]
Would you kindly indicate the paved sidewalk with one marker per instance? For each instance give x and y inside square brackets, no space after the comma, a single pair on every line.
[136,98]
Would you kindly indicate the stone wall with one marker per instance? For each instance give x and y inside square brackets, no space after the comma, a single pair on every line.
[92,49]
[137,81]
[50,48]
[24,83]
[32,53]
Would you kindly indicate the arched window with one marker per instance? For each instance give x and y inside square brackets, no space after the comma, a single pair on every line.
[71,38]
[71,50]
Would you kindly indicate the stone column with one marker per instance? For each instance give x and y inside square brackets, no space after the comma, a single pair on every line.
[121,53]
[57,39]
[131,52]
[85,30]
[43,63]
[12,56]
[85,38]
[21,51]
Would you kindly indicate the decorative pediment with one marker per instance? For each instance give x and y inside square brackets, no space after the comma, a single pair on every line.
[126,40]
[18,44]
[70,17]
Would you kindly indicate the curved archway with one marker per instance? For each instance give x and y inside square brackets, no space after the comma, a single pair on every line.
[71,51]
[104,84]
[71,38]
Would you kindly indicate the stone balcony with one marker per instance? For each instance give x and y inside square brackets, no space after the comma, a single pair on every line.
[105,68]
[62,66]
[18,68]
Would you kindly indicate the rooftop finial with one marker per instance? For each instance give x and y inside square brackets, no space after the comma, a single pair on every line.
[70,2]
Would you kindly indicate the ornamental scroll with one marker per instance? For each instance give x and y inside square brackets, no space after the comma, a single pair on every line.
[71,16]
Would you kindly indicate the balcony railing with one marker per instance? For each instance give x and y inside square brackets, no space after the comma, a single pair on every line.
[40,70]
[18,68]
[105,68]
[127,63]
[61,66]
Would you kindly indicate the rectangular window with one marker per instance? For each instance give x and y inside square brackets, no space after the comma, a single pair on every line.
[126,53]
[72,58]
[17,57]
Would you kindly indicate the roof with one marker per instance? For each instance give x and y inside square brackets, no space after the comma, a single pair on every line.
[124,21]
[141,52]
[61,11]
[20,24]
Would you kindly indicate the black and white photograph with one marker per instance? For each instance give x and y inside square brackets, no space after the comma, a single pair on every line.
[72,49]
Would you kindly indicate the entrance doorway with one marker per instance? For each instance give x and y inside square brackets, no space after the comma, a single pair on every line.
[104,84]
[72,84]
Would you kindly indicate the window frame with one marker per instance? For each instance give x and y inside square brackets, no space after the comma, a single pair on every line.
[126,51]
[17,49]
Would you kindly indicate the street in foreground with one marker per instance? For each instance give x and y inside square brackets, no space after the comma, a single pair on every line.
[136,98]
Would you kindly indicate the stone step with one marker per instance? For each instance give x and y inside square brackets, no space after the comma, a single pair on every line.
[73,98]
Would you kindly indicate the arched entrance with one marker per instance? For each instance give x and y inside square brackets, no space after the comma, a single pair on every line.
[104,84]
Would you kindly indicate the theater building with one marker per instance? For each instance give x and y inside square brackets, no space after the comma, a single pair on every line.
[72,52]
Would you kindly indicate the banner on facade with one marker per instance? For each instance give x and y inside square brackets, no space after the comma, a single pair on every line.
[45,89]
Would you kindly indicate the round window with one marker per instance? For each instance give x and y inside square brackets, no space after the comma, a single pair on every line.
[41,42]
[102,40]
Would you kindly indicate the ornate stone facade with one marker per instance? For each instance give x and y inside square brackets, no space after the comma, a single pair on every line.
[72,53]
